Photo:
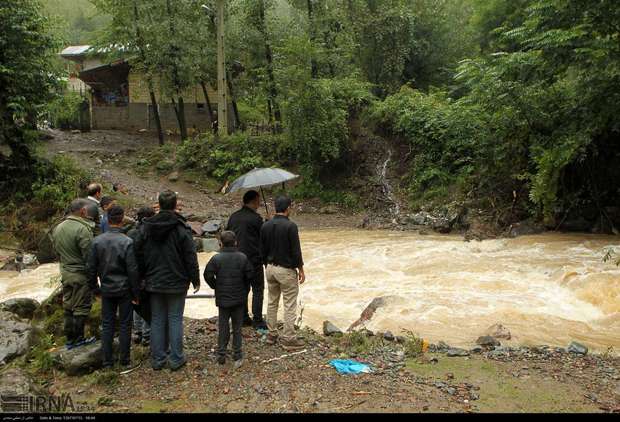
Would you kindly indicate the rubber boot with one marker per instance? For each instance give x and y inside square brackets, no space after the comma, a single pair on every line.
[79,323]
[69,330]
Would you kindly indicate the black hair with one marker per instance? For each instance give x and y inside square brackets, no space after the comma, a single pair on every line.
[145,212]
[249,196]
[228,239]
[116,214]
[105,201]
[282,203]
[167,200]
[93,189]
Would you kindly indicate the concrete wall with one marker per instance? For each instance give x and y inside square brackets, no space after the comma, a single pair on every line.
[136,116]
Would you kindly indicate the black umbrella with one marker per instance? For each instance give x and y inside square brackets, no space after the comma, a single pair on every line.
[259,178]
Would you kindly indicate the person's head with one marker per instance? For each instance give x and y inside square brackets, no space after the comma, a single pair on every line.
[94,190]
[84,209]
[106,202]
[283,205]
[145,212]
[116,214]
[251,199]
[119,187]
[228,239]
[167,200]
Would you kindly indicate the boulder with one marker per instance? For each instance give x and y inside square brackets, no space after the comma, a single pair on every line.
[476,349]
[524,228]
[210,245]
[388,336]
[212,227]
[487,341]
[196,227]
[16,336]
[441,225]
[22,307]
[577,348]
[368,312]
[81,360]
[418,219]
[330,329]
[498,331]
[173,177]
[456,352]
[17,382]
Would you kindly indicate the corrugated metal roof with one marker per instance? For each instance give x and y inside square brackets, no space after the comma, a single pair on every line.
[75,50]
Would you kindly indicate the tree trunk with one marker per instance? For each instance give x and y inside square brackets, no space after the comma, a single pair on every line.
[314,66]
[234,101]
[149,78]
[272,89]
[209,108]
[181,117]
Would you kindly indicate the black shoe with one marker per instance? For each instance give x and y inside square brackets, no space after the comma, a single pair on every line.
[179,366]
[221,360]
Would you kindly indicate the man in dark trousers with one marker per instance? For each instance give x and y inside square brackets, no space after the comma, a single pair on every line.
[167,257]
[247,223]
[113,260]
[281,252]
[229,273]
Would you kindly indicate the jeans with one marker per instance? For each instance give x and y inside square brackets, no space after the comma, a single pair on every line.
[141,327]
[258,288]
[167,309]
[109,306]
[225,315]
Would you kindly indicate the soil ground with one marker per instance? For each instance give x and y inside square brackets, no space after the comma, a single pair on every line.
[536,381]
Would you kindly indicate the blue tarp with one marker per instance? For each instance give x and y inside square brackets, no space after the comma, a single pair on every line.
[348,366]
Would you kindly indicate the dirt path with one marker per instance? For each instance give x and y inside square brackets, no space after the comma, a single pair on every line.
[114,157]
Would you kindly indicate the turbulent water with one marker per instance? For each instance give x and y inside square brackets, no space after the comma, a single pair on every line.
[546,289]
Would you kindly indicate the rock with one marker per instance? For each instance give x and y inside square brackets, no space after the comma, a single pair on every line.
[98,161]
[368,313]
[476,349]
[418,219]
[22,307]
[524,228]
[76,131]
[81,360]
[16,336]
[366,332]
[400,339]
[498,331]
[441,225]
[212,226]
[173,177]
[142,131]
[577,348]
[456,352]
[442,346]
[487,341]
[388,336]
[329,209]
[196,228]
[330,329]
[210,245]
[451,391]
[17,382]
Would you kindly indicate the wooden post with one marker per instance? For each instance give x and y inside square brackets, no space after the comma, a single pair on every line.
[222,85]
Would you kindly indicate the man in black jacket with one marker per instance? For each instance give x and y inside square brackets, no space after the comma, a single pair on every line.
[229,273]
[112,258]
[246,223]
[281,252]
[167,258]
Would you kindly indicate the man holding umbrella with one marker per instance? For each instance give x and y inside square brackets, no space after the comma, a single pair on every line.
[247,223]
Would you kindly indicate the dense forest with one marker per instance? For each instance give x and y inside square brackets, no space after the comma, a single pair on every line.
[507,105]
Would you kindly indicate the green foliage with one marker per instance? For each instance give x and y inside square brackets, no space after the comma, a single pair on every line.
[225,158]
[39,356]
[64,111]
[359,343]
[414,345]
[58,182]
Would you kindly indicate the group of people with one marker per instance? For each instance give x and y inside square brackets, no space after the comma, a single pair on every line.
[150,263]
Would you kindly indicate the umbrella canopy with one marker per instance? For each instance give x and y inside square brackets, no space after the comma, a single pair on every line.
[261,178]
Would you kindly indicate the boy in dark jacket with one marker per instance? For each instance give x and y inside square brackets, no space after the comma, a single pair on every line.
[229,273]
[113,260]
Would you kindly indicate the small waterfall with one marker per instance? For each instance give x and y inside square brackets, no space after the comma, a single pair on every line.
[386,187]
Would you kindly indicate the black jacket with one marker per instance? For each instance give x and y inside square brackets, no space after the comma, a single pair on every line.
[280,243]
[167,254]
[112,258]
[229,273]
[246,223]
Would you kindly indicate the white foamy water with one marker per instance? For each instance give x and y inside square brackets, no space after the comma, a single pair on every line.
[546,289]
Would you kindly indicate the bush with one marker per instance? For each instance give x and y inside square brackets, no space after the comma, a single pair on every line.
[225,158]
[64,111]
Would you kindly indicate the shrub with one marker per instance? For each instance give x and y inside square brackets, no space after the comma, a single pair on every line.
[64,111]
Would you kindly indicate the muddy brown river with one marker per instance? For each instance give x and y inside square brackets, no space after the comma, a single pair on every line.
[546,289]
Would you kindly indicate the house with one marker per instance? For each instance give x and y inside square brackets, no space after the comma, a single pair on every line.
[119,96]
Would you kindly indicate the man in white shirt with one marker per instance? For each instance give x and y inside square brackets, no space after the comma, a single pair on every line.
[94,195]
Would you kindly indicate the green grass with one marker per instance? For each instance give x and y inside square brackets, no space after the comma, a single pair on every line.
[500,391]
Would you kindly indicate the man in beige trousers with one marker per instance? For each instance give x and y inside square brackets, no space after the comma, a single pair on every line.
[281,254]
